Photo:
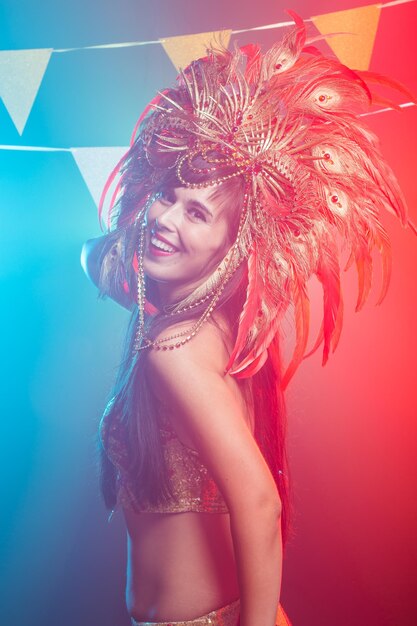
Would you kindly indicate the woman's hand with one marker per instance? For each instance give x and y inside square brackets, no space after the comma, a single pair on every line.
[191,381]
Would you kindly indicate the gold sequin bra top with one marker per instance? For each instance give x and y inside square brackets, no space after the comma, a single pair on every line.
[192,486]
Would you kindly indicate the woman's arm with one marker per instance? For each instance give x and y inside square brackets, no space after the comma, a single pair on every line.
[191,380]
[92,255]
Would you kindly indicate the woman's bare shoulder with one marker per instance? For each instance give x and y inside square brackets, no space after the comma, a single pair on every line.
[206,347]
[191,381]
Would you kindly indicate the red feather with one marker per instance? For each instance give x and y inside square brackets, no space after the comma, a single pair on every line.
[302,323]
[364,268]
[328,274]
[250,308]
[374,77]
[249,366]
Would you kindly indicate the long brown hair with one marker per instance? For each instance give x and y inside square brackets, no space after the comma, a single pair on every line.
[133,399]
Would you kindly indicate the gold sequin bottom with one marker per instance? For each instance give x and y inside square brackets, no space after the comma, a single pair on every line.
[225,616]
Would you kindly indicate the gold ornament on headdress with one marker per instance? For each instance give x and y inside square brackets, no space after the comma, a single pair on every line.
[287,122]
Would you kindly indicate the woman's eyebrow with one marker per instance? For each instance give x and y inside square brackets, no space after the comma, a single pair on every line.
[202,207]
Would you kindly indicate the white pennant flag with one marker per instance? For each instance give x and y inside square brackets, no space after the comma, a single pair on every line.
[96,165]
[21,73]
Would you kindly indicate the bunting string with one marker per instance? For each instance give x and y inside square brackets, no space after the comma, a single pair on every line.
[22,71]
[131,44]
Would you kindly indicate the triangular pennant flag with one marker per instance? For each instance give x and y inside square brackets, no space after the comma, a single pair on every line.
[96,165]
[186,48]
[21,73]
[353,50]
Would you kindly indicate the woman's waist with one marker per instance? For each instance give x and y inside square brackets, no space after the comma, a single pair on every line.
[177,603]
[178,556]
[178,593]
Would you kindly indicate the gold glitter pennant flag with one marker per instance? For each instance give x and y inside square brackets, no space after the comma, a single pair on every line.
[353,49]
[21,73]
[186,48]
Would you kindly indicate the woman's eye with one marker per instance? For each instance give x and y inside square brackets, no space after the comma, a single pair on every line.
[197,214]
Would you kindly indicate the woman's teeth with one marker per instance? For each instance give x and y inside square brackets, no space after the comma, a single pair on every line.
[162,245]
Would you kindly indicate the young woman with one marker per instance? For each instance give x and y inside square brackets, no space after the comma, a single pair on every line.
[238,186]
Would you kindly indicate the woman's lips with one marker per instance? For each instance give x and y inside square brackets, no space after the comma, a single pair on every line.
[158,246]
[158,252]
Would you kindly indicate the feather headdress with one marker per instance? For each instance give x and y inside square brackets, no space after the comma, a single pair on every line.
[288,122]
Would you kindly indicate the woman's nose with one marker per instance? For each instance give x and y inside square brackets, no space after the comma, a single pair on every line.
[168,218]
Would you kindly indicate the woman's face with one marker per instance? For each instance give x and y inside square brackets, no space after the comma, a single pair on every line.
[186,237]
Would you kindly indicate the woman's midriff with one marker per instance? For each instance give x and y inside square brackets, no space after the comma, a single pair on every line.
[180,565]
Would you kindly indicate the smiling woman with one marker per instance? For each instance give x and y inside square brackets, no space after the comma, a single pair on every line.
[187,236]
[163,465]
[237,189]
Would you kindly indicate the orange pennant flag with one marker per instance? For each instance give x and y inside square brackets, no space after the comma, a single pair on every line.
[353,49]
[186,48]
